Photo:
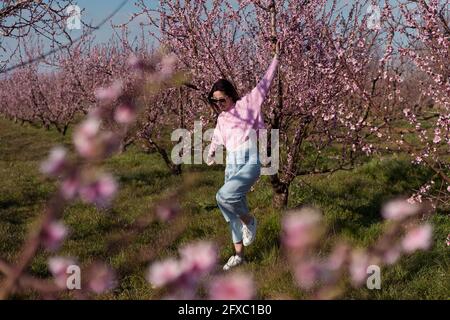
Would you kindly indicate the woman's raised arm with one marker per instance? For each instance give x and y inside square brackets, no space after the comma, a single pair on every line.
[256,97]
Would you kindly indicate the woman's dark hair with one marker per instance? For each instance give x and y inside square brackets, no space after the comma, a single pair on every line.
[225,86]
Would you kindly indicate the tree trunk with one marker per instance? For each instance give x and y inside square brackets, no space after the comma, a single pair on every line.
[124,144]
[175,169]
[280,192]
[280,199]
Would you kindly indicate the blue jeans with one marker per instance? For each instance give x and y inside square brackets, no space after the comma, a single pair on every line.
[243,167]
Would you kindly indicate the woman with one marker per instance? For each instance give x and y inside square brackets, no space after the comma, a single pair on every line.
[235,123]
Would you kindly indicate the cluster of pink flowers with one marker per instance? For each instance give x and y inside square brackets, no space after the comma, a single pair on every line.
[58,266]
[98,277]
[81,177]
[399,209]
[55,163]
[94,144]
[167,210]
[197,260]
[430,64]
[91,187]
[237,286]
[303,231]
[53,235]
[182,276]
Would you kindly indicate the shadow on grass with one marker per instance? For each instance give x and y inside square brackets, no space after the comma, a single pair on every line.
[146,177]
[9,204]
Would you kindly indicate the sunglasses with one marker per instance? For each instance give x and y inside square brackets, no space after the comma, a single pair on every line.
[215,101]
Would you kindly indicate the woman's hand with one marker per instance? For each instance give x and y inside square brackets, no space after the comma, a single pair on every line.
[210,159]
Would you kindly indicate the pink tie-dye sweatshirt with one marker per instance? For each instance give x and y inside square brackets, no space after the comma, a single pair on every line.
[234,125]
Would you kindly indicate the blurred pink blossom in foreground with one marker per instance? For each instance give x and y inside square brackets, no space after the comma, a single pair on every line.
[166,211]
[301,229]
[359,261]
[69,187]
[164,272]
[109,94]
[168,63]
[307,273]
[232,287]
[99,192]
[58,267]
[125,113]
[84,137]
[53,234]
[101,278]
[135,62]
[399,209]
[55,163]
[197,260]
[392,255]
[418,238]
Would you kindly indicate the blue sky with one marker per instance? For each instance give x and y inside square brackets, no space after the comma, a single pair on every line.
[94,11]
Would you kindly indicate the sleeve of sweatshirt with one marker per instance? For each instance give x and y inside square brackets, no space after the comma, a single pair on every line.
[255,98]
[216,139]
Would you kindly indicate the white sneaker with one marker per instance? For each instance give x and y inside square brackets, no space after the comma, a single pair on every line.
[233,262]
[249,232]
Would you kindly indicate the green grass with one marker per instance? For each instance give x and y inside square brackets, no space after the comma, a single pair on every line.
[350,200]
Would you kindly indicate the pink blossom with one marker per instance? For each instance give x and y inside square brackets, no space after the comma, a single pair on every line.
[437,139]
[448,188]
[100,191]
[418,238]
[307,273]
[58,267]
[162,273]
[55,163]
[125,113]
[399,209]
[135,62]
[168,63]
[358,266]
[167,211]
[102,278]
[300,229]
[110,143]
[232,287]
[392,254]
[84,137]
[69,187]
[110,93]
[338,256]
[198,258]
[53,235]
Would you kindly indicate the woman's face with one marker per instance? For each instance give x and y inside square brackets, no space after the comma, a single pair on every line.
[223,101]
